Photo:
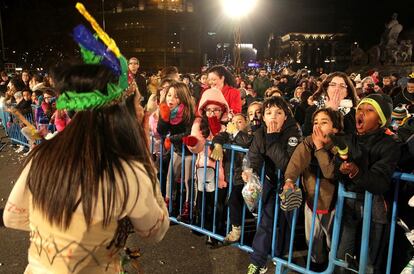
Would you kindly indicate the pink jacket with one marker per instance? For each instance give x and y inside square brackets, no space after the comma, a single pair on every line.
[210,96]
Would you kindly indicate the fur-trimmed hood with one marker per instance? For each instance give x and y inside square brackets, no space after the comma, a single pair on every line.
[214,96]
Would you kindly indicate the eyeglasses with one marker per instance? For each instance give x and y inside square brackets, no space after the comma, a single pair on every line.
[211,111]
[333,84]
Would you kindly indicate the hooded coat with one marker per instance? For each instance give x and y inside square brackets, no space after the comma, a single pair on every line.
[210,96]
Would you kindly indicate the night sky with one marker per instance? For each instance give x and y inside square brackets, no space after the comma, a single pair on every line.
[35,25]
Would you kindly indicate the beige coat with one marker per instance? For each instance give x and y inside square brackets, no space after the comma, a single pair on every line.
[300,164]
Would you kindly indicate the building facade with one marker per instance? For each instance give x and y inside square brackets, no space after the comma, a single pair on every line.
[159,33]
[330,51]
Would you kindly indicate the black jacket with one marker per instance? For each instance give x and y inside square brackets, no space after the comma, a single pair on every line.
[404,97]
[142,87]
[274,149]
[242,139]
[177,132]
[376,154]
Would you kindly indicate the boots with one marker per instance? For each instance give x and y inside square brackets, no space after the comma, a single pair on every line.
[185,214]
[233,236]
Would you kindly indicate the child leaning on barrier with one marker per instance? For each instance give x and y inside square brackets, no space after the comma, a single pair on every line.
[254,112]
[369,164]
[176,115]
[235,134]
[317,152]
[272,145]
[213,110]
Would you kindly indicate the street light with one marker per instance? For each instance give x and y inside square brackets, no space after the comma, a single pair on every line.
[236,10]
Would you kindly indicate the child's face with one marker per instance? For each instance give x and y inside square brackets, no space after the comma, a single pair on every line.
[26,95]
[172,99]
[324,122]
[254,110]
[367,119]
[204,79]
[275,115]
[213,110]
[240,122]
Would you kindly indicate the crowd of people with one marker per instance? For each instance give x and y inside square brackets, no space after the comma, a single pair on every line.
[293,123]
[296,123]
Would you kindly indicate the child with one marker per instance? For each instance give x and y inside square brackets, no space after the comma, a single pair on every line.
[213,109]
[254,112]
[371,161]
[313,153]
[61,119]
[176,115]
[236,134]
[272,145]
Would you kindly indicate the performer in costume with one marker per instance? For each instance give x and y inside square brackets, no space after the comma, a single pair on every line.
[82,192]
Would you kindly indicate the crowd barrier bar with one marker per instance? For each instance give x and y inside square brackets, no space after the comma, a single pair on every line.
[13,130]
[283,264]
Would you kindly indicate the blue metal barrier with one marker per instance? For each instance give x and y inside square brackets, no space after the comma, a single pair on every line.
[283,264]
[12,126]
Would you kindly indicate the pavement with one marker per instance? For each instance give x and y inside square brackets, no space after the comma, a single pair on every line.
[180,251]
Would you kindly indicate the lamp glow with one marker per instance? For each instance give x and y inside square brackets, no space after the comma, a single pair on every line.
[237,8]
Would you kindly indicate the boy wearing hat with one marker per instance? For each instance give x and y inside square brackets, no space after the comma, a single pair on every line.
[373,153]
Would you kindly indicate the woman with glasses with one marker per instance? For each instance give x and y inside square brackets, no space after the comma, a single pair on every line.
[336,92]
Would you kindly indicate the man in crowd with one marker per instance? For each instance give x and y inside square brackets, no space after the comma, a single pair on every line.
[133,66]
[261,83]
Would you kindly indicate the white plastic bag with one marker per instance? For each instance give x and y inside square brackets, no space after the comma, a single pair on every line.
[252,190]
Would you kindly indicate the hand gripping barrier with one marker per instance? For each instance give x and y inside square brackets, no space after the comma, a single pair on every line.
[281,264]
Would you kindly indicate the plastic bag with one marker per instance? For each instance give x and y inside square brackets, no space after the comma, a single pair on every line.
[252,190]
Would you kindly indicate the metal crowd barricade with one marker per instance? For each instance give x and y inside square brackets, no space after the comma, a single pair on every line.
[283,264]
[12,126]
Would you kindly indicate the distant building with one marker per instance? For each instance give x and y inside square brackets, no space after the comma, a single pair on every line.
[330,51]
[159,32]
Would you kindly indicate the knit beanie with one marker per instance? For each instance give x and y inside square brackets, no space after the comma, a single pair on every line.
[382,104]
[399,113]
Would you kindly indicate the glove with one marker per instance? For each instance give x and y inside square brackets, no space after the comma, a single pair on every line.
[214,125]
[217,153]
[164,112]
[290,199]
[231,128]
[190,140]
[167,143]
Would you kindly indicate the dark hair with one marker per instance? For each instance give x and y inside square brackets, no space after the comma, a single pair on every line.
[188,76]
[198,77]
[48,91]
[167,72]
[93,149]
[335,116]
[323,88]
[163,81]
[279,102]
[221,71]
[410,80]
[37,77]
[18,84]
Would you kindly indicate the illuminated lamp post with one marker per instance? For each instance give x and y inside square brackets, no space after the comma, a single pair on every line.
[236,10]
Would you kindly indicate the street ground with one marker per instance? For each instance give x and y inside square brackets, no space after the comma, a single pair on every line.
[180,251]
